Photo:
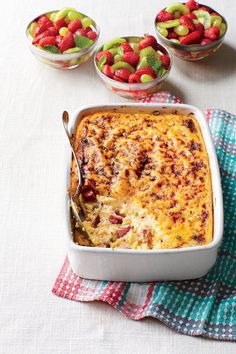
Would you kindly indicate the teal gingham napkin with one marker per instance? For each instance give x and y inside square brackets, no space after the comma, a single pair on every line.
[201,307]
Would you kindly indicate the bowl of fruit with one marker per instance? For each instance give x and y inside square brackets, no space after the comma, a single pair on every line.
[133,67]
[63,39]
[190,30]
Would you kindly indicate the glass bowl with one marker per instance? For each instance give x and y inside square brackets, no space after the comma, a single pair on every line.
[194,51]
[134,90]
[62,61]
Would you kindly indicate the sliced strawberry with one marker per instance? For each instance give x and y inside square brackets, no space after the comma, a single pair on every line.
[131,57]
[50,40]
[212,33]
[124,74]
[148,41]
[74,25]
[58,40]
[147,70]
[172,35]
[200,28]
[134,78]
[186,21]
[108,71]
[60,23]
[67,42]
[191,38]
[51,31]
[192,16]
[88,29]
[214,14]
[126,47]
[117,78]
[92,35]
[115,219]
[44,20]
[192,5]
[107,54]
[204,8]
[81,32]
[163,16]
[165,60]
[205,41]
[123,232]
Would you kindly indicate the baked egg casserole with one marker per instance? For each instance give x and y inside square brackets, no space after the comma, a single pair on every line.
[146,181]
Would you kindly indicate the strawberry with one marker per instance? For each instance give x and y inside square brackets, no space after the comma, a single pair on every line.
[92,35]
[204,8]
[212,33]
[205,41]
[165,60]
[123,74]
[172,35]
[126,47]
[88,29]
[50,40]
[58,40]
[131,57]
[134,78]
[108,71]
[191,15]
[214,14]
[74,25]
[200,28]
[81,32]
[107,54]
[148,41]
[192,5]
[51,31]
[117,78]
[147,70]
[60,23]
[191,38]
[188,22]
[67,42]
[163,16]
[44,20]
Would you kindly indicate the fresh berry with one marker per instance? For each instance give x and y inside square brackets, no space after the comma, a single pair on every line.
[67,42]
[126,47]
[164,16]
[205,41]
[200,28]
[58,40]
[188,22]
[131,57]
[92,35]
[117,78]
[191,15]
[51,31]
[44,20]
[107,54]
[50,40]
[88,29]
[147,70]
[60,23]
[192,5]
[165,60]
[124,74]
[134,78]
[74,25]
[214,14]
[191,38]
[108,71]
[212,33]
[148,41]
[81,32]
[172,35]
[204,8]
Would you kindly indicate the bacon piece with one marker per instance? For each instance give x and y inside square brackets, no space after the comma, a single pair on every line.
[190,125]
[116,219]
[89,192]
[123,232]
[199,238]
[147,234]
[96,221]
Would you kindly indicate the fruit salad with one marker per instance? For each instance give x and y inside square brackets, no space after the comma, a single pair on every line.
[190,24]
[66,31]
[133,60]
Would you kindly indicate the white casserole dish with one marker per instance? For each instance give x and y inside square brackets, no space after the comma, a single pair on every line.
[151,265]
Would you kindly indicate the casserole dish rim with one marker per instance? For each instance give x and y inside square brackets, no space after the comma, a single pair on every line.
[217,199]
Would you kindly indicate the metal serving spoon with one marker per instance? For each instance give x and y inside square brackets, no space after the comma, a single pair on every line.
[76,209]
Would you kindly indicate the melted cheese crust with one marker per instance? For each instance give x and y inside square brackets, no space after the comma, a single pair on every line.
[151,173]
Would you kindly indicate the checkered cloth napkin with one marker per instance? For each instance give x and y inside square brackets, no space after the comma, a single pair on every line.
[202,307]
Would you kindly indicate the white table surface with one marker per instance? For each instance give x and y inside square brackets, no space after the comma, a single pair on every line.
[33,152]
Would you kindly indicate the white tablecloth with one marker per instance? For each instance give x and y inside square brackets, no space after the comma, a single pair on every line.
[34,155]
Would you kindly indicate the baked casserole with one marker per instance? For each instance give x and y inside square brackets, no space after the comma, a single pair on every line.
[146,181]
